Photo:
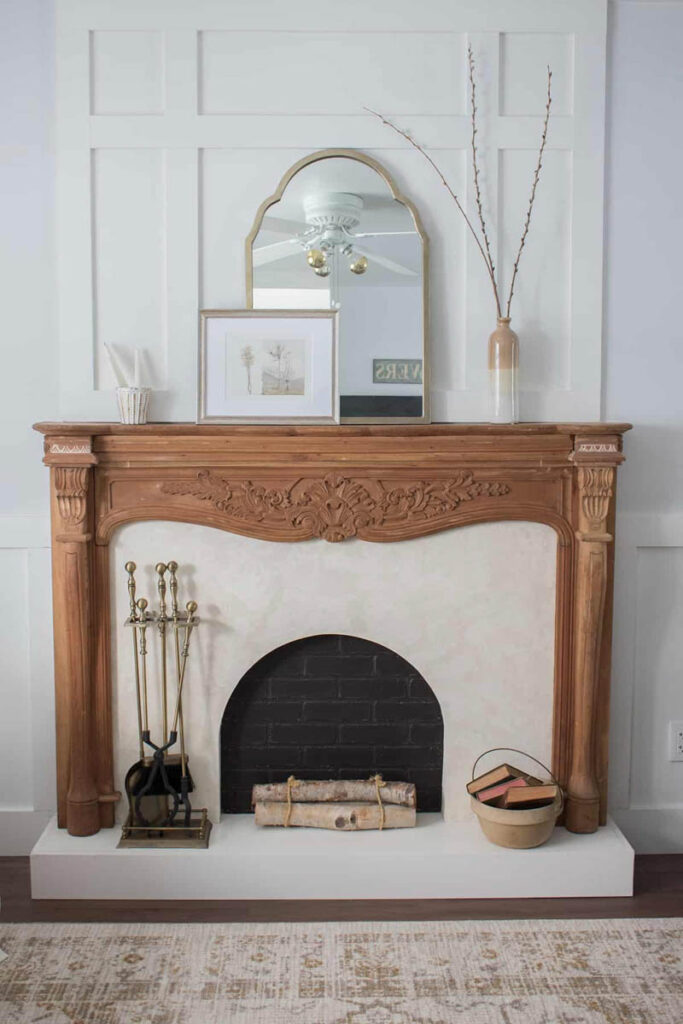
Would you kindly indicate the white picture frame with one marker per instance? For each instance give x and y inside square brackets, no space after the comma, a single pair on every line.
[268,366]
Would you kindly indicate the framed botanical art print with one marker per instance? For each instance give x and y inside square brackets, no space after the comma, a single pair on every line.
[268,366]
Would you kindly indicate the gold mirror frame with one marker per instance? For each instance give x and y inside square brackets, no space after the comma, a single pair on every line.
[355,154]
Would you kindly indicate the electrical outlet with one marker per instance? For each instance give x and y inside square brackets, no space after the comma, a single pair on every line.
[676,741]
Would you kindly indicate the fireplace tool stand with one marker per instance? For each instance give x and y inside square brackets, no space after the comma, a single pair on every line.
[159,783]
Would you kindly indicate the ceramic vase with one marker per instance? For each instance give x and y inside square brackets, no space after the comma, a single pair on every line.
[503,372]
[133,404]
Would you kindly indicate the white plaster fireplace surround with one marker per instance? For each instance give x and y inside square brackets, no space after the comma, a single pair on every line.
[472,609]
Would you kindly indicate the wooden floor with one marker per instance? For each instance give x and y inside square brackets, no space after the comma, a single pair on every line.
[658,893]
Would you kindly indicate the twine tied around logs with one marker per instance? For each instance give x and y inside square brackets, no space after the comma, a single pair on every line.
[379,783]
[290,782]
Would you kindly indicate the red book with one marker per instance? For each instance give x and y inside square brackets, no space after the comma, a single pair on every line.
[487,796]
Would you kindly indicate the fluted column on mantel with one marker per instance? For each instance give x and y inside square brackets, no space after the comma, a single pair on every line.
[596,459]
[71,460]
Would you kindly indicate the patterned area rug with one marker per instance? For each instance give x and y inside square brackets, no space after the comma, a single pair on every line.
[493,972]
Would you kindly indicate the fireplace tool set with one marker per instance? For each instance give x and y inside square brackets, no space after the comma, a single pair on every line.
[159,784]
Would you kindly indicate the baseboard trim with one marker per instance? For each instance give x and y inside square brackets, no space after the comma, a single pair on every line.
[652,829]
[19,831]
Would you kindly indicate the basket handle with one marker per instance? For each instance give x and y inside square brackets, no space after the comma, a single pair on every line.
[514,750]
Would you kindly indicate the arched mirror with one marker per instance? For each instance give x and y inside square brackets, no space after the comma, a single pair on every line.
[337,234]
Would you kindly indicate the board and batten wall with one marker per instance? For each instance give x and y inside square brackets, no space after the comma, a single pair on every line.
[176,119]
[642,373]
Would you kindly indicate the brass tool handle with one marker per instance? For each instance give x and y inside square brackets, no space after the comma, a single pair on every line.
[160,568]
[142,622]
[130,569]
[173,587]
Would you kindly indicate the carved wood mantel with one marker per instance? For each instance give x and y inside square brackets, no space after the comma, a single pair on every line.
[332,483]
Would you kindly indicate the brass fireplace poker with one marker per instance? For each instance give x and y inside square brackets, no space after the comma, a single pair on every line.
[160,782]
[130,569]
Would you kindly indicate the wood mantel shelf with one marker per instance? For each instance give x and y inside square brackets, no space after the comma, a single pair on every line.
[283,483]
[431,429]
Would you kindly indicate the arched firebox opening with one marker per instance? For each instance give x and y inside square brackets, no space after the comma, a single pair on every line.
[331,707]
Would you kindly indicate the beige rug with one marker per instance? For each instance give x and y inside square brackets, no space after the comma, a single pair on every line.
[493,972]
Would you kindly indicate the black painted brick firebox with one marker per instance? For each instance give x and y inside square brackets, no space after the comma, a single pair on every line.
[331,707]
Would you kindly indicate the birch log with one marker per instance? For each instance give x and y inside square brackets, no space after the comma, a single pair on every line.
[335,791]
[346,817]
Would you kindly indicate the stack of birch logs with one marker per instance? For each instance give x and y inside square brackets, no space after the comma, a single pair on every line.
[336,804]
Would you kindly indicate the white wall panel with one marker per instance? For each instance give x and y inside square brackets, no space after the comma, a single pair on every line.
[27,734]
[126,72]
[643,371]
[542,295]
[248,88]
[129,256]
[646,789]
[332,73]
[658,677]
[523,60]
[41,746]
[15,728]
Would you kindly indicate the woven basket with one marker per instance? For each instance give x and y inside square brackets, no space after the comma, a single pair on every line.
[517,829]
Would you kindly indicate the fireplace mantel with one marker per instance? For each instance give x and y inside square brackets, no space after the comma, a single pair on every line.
[331,483]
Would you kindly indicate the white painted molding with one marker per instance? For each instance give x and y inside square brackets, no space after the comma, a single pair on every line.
[656,829]
[652,829]
[20,830]
[139,161]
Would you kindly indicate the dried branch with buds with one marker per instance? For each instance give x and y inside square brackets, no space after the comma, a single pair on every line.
[537,174]
[475,171]
[444,182]
[483,243]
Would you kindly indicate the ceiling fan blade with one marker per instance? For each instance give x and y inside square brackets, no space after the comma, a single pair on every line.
[277,251]
[380,234]
[283,226]
[374,257]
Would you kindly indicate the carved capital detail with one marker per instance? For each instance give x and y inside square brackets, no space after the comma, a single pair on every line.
[71,489]
[595,488]
[335,507]
[597,450]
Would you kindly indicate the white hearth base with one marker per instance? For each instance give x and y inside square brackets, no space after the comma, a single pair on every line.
[436,860]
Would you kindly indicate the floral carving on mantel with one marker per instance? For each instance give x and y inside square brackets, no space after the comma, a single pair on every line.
[335,507]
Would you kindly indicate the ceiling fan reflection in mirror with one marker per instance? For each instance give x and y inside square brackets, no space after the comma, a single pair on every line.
[327,234]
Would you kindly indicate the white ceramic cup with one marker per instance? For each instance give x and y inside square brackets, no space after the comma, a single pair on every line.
[133,404]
